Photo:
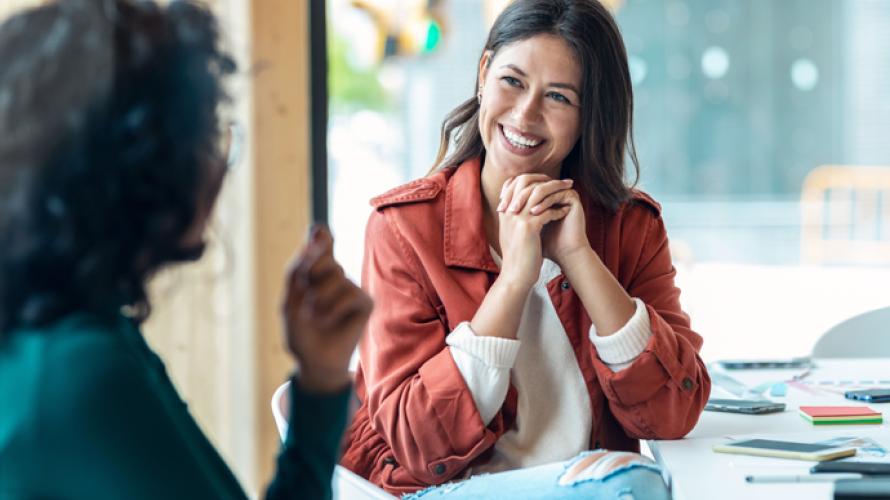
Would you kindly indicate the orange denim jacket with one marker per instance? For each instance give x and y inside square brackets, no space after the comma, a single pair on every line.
[427,266]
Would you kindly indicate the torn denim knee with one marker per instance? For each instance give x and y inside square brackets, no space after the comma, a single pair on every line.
[600,465]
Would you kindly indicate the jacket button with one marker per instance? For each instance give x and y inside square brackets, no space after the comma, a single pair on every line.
[687,383]
[439,469]
[564,285]
[389,461]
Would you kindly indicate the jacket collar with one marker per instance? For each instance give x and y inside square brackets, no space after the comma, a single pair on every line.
[466,244]
[464,235]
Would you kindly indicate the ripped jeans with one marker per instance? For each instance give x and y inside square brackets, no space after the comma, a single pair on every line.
[618,475]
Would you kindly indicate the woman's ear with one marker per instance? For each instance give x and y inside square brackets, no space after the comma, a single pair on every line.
[484,62]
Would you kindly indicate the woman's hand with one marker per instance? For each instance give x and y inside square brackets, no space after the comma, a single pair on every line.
[324,315]
[519,229]
[566,237]
[538,194]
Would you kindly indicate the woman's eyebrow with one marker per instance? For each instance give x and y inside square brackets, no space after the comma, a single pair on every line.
[553,84]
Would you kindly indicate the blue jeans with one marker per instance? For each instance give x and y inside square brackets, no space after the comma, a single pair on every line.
[592,474]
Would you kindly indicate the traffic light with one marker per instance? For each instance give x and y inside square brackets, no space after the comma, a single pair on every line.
[405,27]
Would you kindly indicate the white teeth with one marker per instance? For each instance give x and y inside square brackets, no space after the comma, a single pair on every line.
[520,141]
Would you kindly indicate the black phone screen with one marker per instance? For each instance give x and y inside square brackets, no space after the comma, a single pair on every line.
[768,444]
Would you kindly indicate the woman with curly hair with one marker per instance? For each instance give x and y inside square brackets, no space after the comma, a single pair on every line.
[111,159]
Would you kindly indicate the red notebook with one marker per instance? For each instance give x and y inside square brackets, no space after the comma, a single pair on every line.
[839,411]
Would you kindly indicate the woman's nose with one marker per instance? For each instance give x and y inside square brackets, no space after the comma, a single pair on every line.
[527,109]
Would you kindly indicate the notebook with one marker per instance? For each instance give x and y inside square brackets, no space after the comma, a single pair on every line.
[840,415]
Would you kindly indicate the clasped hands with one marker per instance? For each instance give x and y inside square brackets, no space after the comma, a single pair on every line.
[538,217]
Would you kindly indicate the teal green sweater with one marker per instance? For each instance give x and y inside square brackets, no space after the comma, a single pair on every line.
[87,411]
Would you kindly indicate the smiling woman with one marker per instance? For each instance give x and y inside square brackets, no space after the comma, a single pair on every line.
[581,61]
[530,308]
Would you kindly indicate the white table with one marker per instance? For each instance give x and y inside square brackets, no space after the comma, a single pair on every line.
[697,472]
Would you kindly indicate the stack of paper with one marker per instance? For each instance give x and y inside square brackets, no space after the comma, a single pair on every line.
[840,415]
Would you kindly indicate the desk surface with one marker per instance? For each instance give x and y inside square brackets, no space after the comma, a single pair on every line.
[697,472]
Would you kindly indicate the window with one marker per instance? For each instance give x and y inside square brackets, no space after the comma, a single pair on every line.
[737,102]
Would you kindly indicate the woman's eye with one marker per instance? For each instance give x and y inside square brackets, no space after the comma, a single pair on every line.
[513,82]
[556,96]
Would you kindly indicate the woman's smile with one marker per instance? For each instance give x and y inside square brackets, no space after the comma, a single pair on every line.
[519,143]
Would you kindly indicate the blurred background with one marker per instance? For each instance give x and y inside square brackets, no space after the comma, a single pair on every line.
[738,104]
[761,125]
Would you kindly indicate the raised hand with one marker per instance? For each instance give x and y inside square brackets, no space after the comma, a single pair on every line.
[539,194]
[324,315]
[567,236]
[519,230]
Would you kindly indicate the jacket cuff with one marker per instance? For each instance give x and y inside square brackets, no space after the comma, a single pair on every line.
[620,349]
[493,352]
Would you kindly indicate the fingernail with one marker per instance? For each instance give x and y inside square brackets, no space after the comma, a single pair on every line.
[568,181]
[318,230]
[536,209]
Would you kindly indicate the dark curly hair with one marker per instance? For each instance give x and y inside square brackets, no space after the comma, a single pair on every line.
[109,126]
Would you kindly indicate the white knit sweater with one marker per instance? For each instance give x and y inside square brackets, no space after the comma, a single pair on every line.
[554,416]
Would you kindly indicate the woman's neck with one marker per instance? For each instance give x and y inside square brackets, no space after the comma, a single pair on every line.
[491,190]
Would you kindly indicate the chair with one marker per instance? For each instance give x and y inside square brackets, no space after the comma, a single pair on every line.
[347,485]
[845,215]
[864,336]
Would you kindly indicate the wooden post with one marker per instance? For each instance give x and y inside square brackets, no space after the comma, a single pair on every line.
[281,153]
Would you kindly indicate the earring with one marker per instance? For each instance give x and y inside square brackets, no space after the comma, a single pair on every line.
[479,96]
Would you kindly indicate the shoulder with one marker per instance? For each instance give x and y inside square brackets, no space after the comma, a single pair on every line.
[643,200]
[639,211]
[79,336]
[638,221]
[83,358]
[410,211]
[77,366]
[408,220]
[423,190]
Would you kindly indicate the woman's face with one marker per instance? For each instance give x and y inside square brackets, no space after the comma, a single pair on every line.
[213,175]
[530,114]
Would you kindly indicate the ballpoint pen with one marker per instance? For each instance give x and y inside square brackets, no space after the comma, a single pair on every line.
[801,478]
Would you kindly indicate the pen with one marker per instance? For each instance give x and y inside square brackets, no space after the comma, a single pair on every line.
[802,478]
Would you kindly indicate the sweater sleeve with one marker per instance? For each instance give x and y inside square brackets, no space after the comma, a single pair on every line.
[621,348]
[484,363]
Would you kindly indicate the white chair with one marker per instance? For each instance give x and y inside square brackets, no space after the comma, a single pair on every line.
[864,336]
[347,485]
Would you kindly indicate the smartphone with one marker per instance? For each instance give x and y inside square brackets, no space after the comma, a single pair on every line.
[867,468]
[870,395]
[747,406]
[765,364]
[786,449]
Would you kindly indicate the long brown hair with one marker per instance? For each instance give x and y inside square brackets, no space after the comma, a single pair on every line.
[596,163]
